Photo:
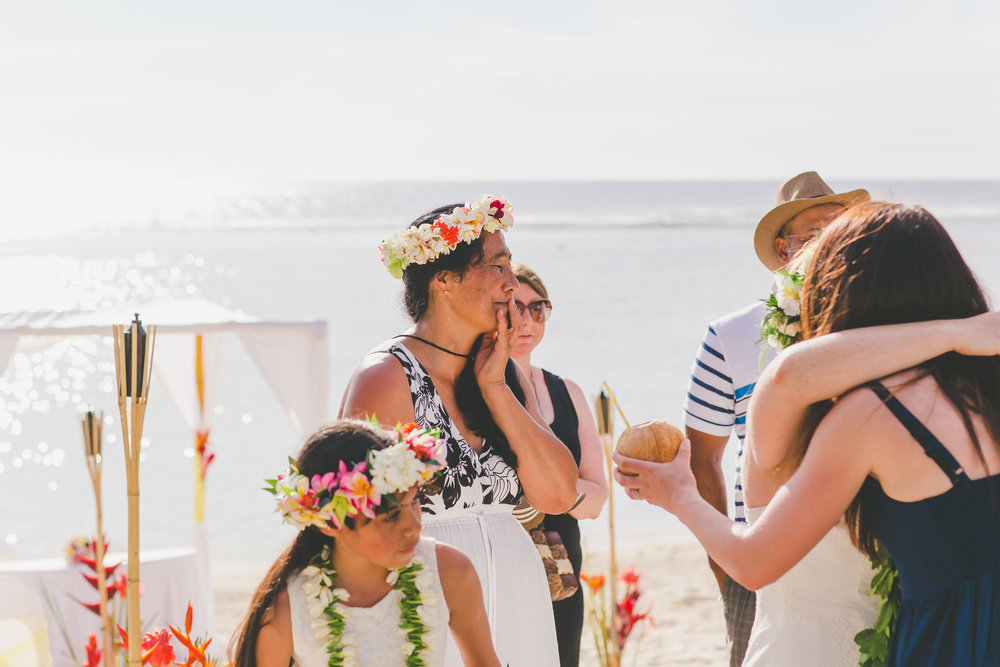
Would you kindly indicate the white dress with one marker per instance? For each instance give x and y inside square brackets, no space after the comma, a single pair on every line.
[374,630]
[472,511]
[811,614]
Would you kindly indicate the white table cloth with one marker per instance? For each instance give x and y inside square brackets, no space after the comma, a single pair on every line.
[169,579]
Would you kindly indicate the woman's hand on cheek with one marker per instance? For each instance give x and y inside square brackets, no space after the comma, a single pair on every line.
[667,485]
[491,362]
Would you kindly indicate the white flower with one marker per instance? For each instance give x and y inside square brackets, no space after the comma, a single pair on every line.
[773,341]
[423,580]
[790,328]
[392,577]
[341,594]
[787,294]
[395,469]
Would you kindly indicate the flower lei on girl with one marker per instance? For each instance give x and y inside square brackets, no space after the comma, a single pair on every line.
[337,499]
[781,328]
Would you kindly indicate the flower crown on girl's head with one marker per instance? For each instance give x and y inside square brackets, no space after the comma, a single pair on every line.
[425,243]
[336,498]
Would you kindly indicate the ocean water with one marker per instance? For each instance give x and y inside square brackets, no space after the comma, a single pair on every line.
[635,271]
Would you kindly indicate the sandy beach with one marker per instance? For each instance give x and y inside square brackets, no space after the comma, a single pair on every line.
[689,627]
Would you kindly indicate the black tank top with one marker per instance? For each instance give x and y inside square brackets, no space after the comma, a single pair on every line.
[566,426]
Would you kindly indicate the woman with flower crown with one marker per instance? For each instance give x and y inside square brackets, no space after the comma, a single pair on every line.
[360,567]
[452,370]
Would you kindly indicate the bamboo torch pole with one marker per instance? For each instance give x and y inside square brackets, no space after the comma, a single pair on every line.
[611,506]
[93,437]
[133,363]
[605,429]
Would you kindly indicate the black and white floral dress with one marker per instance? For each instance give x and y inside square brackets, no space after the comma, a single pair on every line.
[472,511]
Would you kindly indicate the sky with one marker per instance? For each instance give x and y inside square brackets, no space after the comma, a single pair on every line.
[515,90]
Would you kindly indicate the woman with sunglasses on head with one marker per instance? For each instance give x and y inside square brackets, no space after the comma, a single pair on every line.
[452,370]
[565,409]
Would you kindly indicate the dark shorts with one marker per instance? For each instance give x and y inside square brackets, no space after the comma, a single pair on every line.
[740,605]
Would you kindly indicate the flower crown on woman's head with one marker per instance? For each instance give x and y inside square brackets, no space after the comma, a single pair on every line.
[430,240]
[336,498]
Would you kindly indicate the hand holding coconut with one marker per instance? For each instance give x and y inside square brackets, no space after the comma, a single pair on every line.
[653,462]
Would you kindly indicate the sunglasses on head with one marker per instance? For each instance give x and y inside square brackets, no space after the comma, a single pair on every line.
[539,310]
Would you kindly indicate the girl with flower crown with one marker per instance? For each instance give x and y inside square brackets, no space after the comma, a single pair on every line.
[360,585]
[452,370]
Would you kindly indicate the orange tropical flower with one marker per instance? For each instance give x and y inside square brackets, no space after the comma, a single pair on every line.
[596,582]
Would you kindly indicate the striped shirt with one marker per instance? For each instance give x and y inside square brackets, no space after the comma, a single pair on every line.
[723,376]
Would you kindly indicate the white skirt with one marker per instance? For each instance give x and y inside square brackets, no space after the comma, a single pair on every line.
[515,590]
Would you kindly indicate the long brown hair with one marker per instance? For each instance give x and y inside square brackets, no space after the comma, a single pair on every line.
[879,264]
[345,440]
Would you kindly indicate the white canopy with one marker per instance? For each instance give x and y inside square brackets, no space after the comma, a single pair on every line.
[292,356]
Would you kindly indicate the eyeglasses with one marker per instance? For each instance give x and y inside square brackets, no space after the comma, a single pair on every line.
[540,310]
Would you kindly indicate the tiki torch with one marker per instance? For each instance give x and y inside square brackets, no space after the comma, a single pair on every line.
[133,363]
[605,430]
[93,436]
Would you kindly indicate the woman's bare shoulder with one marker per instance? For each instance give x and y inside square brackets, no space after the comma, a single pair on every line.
[378,386]
[274,641]
[455,569]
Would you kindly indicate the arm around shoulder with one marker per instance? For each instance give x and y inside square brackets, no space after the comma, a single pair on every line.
[463,593]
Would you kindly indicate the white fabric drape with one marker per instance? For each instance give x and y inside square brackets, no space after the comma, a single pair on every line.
[7,344]
[295,364]
[174,370]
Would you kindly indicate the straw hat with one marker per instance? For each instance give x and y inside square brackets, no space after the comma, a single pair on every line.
[796,195]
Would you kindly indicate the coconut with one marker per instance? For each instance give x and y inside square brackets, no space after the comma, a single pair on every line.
[655,441]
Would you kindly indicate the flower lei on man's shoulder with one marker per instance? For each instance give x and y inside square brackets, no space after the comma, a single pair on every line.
[781,328]
[425,243]
[782,325]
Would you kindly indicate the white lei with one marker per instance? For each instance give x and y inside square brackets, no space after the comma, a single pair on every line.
[329,615]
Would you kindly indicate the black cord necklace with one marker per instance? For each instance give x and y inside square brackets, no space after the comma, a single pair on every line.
[434,345]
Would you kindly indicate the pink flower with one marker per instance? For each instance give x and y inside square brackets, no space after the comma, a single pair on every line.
[359,491]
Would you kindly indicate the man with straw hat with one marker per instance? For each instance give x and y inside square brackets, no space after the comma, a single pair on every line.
[729,361]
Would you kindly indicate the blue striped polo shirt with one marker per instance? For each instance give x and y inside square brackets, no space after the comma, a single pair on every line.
[723,376]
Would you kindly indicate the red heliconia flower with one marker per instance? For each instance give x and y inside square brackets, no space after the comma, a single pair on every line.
[157,650]
[94,607]
[93,653]
[627,616]
[629,577]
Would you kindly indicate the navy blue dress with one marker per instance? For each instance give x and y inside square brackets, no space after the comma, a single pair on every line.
[569,612]
[947,550]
